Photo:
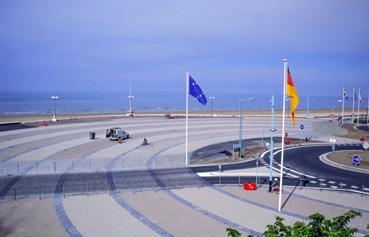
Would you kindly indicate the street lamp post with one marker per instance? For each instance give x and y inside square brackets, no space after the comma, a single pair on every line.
[308,101]
[333,141]
[339,101]
[212,98]
[241,122]
[271,147]
[130,99]
[54,98]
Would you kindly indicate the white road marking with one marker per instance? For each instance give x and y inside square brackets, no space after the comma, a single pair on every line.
[331,182]
[334,186]
[297,172]
[354,187]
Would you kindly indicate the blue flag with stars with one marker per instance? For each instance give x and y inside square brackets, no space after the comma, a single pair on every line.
[196,91]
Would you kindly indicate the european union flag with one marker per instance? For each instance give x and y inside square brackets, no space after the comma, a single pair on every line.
[196,91]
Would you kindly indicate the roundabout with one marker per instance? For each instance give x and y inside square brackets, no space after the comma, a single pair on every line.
[83,187]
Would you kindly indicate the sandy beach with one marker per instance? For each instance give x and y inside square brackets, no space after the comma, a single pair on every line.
[83,117]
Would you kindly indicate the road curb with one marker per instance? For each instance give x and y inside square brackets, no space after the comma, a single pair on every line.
[323,158]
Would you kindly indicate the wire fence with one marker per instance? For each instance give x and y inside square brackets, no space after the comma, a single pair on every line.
[80,165]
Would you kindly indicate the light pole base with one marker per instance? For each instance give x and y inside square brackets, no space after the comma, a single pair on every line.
[130,114]
[270,186]
[54,119]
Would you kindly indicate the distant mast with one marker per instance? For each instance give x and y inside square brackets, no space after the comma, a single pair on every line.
[130,112]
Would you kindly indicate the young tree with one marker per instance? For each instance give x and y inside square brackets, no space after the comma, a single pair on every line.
[318,226]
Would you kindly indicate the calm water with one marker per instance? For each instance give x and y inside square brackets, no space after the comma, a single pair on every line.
[41,103]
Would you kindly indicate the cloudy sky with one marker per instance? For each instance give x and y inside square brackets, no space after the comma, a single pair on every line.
[235,45]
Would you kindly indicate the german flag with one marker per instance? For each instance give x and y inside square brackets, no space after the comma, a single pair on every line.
[294,99]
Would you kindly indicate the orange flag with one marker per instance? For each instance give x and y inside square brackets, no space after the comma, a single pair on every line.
[294,99]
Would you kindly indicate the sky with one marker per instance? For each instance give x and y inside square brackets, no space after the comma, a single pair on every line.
[235,46]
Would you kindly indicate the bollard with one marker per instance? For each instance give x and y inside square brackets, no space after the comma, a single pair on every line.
[239,180]
[105,163]
[15,194]
[39,192]
[362,189]
[122,164]
[17,167]
[36,167]
[54,166]
[341,185]
[320,184]
[90,165]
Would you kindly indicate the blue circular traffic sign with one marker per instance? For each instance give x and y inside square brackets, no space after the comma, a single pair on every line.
[356,159]
[302,126]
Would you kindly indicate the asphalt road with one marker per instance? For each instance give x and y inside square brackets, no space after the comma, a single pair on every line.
[306,161]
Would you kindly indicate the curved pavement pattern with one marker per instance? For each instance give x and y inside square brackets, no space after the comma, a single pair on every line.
[137,213]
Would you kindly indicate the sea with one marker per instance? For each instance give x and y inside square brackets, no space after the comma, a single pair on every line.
[28,103]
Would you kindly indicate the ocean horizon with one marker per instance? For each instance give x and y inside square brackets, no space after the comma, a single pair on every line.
[16,103]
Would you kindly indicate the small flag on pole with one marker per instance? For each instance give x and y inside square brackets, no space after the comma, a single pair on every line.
[195,91]
[294,99]
[359,97]
[345,94]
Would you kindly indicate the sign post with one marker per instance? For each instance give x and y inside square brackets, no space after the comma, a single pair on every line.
[356,160]
[302,129]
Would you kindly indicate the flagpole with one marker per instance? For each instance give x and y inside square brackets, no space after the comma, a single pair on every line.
[285,64]
[353,105]
[187,88]
[343,104]
[358,107]
[367,113]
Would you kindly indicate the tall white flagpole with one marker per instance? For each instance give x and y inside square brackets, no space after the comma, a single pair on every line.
[285,64]
[367,113]
[343,104]
[187,92]
[358,107]
[353,105]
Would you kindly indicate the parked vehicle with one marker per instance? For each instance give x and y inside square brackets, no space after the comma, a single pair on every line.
[116,134]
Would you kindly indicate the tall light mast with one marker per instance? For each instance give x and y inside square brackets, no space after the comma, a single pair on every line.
[130,112]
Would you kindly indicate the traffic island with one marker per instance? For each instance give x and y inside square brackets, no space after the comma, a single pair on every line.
[354,160]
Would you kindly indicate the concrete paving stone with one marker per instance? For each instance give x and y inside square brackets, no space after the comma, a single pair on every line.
[30,217]
[46,151]
[100,215]
[13,151]
[354,200]
[173,216]
[295,204]
[239,212]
